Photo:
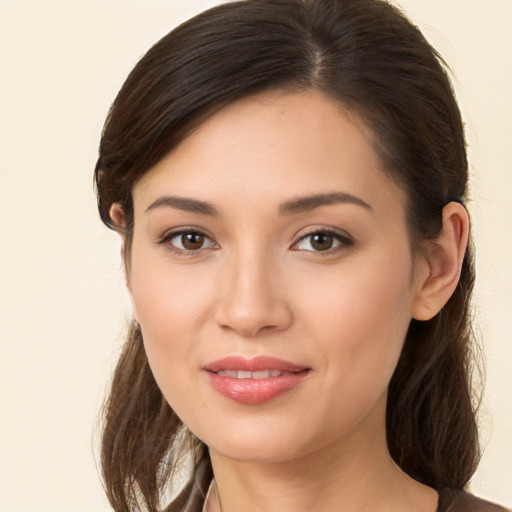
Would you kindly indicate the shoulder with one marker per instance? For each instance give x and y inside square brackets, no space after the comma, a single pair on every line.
[460,501]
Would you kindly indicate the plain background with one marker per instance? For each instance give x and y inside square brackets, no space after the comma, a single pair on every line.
[63,305]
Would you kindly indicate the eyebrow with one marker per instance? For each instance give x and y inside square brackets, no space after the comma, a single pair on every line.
[186,204]
[299,205]
[309,203]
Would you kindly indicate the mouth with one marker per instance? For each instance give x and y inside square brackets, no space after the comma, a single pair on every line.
[254,381]
[243,374]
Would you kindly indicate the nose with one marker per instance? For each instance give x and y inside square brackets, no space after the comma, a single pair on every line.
[252,298]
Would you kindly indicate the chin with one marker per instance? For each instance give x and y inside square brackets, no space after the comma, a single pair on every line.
[259,451]
[261,441]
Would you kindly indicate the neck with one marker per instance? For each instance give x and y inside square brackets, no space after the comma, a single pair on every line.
[353,476]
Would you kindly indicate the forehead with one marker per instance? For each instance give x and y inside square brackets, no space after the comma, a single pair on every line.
[272,146]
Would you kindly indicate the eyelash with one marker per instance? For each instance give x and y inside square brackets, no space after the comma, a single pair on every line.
[343,241]
[167,237]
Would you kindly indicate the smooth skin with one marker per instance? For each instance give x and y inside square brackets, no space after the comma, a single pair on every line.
[273,230]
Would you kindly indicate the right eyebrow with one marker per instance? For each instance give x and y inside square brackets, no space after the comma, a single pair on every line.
[309,203]
[186,204]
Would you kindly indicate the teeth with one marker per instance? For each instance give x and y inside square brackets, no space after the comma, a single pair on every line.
[228,373]
[243,374]
[261,375]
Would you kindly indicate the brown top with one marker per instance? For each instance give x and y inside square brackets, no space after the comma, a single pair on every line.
[458,501]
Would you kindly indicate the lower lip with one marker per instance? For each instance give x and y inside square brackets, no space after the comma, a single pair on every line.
[256,391]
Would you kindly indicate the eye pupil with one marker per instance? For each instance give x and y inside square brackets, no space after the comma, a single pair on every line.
[192,241]
[322,241]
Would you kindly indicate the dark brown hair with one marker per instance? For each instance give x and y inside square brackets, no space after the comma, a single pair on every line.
[367,55]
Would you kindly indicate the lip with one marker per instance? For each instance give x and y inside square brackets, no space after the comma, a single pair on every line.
[255,391]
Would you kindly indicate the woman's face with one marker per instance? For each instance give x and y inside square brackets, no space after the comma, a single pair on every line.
[272,277]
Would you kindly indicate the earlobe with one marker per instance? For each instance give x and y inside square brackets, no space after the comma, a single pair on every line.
[443,262]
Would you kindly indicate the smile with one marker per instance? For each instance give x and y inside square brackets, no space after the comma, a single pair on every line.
[254,381]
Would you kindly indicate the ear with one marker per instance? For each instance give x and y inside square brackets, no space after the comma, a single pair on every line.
[117,215]
[442,265]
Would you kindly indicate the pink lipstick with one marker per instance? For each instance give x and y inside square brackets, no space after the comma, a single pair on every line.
[254,381]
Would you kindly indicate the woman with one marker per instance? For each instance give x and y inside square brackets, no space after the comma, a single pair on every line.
[289,178]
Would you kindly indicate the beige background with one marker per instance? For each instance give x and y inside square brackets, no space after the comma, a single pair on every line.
[62,301]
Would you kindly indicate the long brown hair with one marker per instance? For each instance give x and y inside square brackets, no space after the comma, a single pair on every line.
[367,55]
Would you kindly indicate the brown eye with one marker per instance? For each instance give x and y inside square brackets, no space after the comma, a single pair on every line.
[322,241]
[192,241]
[187,241]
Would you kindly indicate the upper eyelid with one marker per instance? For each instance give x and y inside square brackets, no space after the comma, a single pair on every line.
[164,240]
[345,240]
[171,233]
[322,229]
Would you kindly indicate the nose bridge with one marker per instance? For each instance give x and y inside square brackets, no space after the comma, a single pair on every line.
[253,296]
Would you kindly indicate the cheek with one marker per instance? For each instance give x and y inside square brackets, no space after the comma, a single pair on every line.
[170,322]
[168,298]
[171,306]
[363,315]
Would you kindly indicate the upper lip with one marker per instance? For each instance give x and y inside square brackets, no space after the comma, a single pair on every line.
[255,364]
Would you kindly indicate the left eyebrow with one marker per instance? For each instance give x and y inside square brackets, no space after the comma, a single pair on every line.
[186,204]
[308,203]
